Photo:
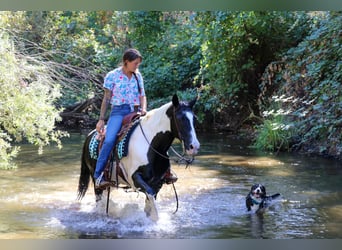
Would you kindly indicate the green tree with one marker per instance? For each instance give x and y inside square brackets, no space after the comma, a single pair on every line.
[307,81]
[237,47]
[170,43]
[27,110]
[93,43]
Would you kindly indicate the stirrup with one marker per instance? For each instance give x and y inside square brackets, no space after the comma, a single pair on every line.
[100,183]
[170,178]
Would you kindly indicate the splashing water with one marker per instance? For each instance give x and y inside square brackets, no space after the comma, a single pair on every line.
[38,200]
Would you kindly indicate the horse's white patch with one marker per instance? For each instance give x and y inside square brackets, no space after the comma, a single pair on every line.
[139,142]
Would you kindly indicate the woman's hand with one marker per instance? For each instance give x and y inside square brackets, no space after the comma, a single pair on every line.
[100,127]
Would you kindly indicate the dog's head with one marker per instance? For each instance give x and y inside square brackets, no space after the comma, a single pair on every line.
[258,191]
[257,196]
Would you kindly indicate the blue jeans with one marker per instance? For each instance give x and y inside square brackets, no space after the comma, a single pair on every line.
[113,127]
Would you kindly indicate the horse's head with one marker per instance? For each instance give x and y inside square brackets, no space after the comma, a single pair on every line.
[182,124]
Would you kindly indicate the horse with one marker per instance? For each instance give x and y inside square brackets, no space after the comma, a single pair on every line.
[147,160]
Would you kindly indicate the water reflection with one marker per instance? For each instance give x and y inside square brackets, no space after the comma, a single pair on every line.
[39,198]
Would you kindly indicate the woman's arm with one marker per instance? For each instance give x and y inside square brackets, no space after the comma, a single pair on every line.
[105,102]
[143,105]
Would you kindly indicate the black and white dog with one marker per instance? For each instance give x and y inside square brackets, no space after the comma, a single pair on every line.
[257,196]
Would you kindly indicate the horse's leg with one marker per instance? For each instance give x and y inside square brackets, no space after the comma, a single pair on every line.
[140,183]
[150,206]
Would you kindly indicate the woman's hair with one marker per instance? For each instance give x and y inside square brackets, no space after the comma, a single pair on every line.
[130,55]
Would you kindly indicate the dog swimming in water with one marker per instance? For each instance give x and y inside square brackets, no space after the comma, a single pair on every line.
[257,196]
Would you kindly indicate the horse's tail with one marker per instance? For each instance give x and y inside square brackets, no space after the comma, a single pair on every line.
[83,182]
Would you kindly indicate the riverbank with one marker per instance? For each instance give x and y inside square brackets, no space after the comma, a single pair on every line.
[246,132]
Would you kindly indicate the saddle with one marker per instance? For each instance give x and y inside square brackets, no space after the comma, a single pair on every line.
[129,123]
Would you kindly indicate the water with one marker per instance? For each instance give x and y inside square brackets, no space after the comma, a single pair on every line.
[38,199]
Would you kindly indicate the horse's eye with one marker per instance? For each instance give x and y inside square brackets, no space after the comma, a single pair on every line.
[180,117]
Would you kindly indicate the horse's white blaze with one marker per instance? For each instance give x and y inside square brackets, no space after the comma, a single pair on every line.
[194,141]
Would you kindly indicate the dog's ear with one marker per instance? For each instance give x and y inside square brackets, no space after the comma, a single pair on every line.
[263,189]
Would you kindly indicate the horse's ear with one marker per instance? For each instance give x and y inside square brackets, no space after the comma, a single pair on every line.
[175,101]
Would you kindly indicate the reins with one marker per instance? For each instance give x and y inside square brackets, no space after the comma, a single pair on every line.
[154,150]
[176,195]
[182,158]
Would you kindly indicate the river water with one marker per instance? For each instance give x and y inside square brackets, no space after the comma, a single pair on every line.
[38,199]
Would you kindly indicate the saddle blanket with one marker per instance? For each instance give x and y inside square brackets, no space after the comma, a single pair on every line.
[121,145]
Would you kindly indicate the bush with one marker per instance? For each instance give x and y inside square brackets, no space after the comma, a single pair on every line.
[310,75]
[27,97]
[275,133]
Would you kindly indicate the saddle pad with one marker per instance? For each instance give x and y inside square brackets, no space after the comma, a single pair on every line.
[123,141]
[121,144]
[94,146]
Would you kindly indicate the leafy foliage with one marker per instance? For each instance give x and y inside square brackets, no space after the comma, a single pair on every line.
[237,46]
[171,46]
[275,131]
[311,76]
[229,58]
[27,109]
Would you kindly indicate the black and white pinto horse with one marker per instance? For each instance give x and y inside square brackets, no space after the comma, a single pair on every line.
[147,160]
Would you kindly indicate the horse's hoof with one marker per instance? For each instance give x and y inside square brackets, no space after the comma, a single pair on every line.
[150,207]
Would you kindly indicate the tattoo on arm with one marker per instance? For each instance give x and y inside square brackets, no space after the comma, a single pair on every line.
[105,103]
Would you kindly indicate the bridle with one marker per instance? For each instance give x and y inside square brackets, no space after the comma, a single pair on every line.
[181,157]
[176,123]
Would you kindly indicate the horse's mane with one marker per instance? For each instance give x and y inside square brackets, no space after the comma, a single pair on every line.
[158,112]
[157,117]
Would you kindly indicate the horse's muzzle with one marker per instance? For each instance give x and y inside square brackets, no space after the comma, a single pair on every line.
[193,148]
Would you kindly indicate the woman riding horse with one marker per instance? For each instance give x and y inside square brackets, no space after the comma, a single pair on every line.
[147,160]
[124,89]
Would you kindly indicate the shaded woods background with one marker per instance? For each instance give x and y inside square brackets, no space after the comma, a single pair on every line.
[273,75]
